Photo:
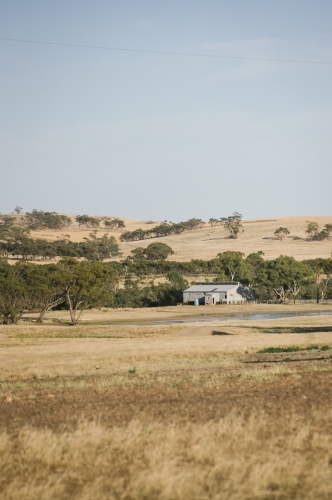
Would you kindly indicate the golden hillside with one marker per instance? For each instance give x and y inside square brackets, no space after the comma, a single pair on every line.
[205,243]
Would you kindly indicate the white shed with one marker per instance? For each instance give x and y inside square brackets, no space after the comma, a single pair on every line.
[216,292]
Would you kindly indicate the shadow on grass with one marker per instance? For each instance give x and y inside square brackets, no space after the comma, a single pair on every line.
[215,332]
[297,329]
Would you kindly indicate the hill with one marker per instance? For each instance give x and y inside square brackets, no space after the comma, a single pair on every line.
[207,242]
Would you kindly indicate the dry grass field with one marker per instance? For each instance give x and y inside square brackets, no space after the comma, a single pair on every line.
[206,243]
[182,411]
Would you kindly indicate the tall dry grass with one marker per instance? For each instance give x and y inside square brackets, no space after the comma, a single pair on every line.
[264,457]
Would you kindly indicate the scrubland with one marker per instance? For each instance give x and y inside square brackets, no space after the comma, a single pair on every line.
[184,411]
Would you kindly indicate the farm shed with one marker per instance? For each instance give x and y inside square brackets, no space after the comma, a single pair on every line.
[216,292]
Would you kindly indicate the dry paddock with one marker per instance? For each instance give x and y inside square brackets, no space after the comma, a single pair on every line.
[166,412]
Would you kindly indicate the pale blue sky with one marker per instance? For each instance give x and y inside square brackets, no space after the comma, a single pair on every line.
[166,137]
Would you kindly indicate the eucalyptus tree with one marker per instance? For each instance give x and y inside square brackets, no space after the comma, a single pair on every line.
[312,230]
[99,248]
[46,286]
[38,219]
[87,285]
[286,276]
[233,266]
[14,293]
[281,233]
[233,224]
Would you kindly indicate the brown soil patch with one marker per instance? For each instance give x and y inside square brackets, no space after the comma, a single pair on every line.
[198,395]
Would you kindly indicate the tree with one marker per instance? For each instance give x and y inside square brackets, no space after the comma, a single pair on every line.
[46,286]
[102,248]
[325,234]
[294,289]
[312,230]
[17,210]
[258,275]
[138,254]
[322,271]
[113,223]
[233,265]
[153,252]
[137,294]
[86,220]
[281,232]
[233,224]
[14,294]
[38,219]
[86,285]
[328,230]
[287,276]
[177,280]
[326,282]
[157,251]
[194,223]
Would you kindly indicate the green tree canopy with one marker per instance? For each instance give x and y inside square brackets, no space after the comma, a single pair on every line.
[87,220]
[281,233]
[233,266]
[45,284]
[154,251]
[233,224]
[285,275]
[86,285]
[38,219]
[14,293]
[101,248]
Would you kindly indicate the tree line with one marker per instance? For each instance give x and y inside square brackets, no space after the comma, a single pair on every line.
[39,220]
[76,285]
[16,242]
[313,232]
[272,280]
[232,224]
[94,222]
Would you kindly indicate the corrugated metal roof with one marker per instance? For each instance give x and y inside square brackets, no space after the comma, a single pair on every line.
[208,288]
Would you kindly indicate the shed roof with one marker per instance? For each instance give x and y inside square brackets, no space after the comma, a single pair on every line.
[211,288]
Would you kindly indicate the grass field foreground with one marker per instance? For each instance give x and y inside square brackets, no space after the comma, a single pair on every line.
[167,412]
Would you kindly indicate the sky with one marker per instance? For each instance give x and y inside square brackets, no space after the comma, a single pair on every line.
[166,137]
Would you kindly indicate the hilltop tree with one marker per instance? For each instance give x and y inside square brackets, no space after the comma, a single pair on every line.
[326,233]
[17,210]
[281,232]
[312,230]
[38,219]
[86,220]
[233,224]
[113,223]
[314,234]
[194,224]
[213,222]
